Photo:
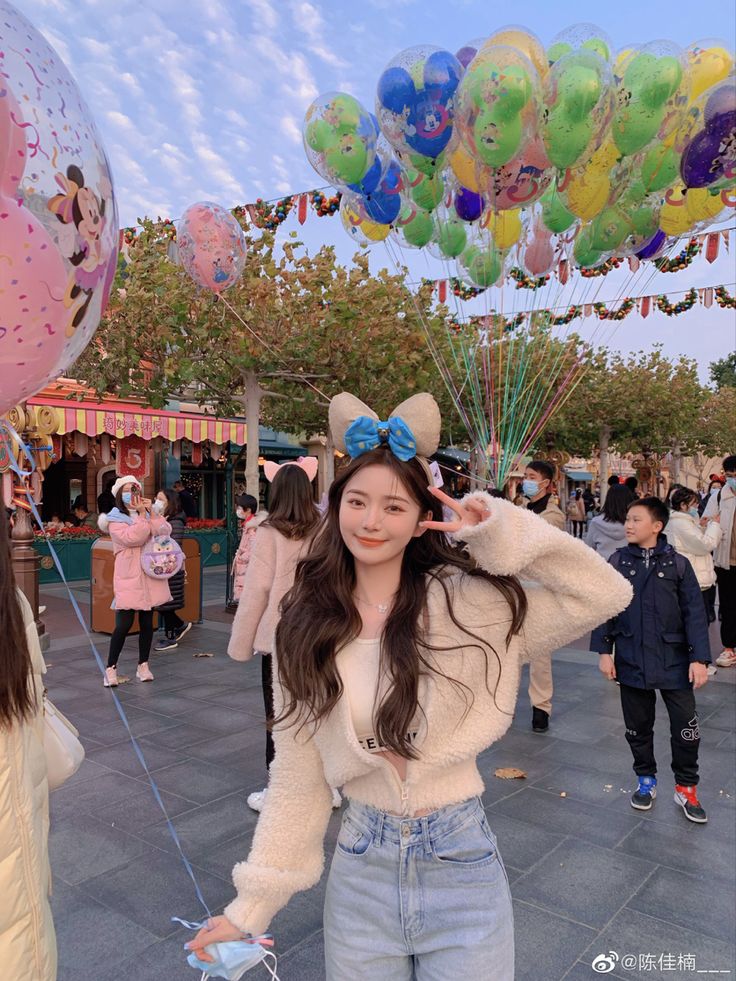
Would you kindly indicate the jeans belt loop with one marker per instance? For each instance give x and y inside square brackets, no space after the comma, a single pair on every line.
[425,836]
[378,834]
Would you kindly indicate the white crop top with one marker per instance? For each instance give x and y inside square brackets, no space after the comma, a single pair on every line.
[358,666]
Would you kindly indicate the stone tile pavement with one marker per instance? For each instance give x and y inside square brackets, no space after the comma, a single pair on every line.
[589,875]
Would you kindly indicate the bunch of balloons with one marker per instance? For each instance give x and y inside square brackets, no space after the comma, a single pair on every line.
[572,150]
[58,217]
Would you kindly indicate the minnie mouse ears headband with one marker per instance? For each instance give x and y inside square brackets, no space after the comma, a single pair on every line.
[412,429]
[309,464]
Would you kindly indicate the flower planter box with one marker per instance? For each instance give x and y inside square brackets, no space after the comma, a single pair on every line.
[75,558]
[212,545]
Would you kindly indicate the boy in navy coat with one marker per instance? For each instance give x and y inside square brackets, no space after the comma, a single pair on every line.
[661,644]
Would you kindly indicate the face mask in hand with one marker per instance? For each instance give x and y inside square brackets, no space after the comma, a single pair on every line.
[530,488]
[233,959]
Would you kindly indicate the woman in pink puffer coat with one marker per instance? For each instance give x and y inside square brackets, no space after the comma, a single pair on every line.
[130,524]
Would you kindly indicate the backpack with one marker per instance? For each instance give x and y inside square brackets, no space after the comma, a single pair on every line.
[161,558]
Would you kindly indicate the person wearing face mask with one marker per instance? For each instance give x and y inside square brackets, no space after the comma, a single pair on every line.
[537,488]
[130,524]
[245,512]
[167,503]
[695,538]
[723,503]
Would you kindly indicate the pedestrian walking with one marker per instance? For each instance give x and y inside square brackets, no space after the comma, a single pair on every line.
[661,644]
[695,538]
[130,524]
[399,657]
[576,513]
[27,937]
[246,512]
[168,504]
[723,504]
[606,531]
[282,539]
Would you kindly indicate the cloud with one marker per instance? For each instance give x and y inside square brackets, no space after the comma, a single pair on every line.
[291,129]
[308,19]
[265,12]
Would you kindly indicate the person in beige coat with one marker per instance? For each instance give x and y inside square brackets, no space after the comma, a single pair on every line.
[27,937]
[537,486]
[399,659]
[277,545]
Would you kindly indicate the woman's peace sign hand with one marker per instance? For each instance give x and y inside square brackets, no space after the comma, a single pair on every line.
[468,514]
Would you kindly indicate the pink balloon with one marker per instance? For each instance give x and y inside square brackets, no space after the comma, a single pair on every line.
[539,255]
[211,246]
[58,219]
[32,276]
[519,182]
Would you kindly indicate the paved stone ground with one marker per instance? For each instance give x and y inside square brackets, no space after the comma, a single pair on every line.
[588,874]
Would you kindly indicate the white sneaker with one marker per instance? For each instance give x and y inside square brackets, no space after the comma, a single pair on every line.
[143,672]
[727,659]
[255,800]
[336,798]
[111,678]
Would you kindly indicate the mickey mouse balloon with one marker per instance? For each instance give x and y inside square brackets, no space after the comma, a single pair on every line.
[58,218]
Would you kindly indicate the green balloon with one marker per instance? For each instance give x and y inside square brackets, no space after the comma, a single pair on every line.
[564,140]
[557,51]
[428,165]
[599,46]
[635,126]
[428,193]
[496,140]
[451,238]
[608,230]
[348,160]
[578,88]
[555,215]
[583,251]
[319,135]
[660,167]
[661,82]
[419,230]
[645,221]
[484,266]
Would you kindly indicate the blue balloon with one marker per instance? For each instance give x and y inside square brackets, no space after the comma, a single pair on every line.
[428,113]
[371,180]
[468,205]
[383,204]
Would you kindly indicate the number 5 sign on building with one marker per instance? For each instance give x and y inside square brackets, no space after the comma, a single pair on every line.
[132,457]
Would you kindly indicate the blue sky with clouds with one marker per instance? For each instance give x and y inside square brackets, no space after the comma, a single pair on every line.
[204,101]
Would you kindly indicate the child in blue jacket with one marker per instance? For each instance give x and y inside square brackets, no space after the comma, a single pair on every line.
[661,644]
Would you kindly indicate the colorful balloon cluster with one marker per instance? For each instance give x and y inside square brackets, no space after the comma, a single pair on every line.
[573,151]
[58,218]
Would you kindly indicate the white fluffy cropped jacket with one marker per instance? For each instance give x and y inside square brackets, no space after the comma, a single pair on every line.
[570,589]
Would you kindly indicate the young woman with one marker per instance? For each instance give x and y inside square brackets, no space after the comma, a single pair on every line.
[130,524]
[695,538]
[27,938]
[167,503]
[282,538]
[399,658]
[606,531]
[576,513]
[247,506]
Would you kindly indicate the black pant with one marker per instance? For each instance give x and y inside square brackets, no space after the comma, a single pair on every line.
[638,705]
[172,622]
[727,601]
[578,528]
[709,598]
[123,623]
[267,685]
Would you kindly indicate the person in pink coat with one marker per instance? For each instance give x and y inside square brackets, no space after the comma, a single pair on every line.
[130,524]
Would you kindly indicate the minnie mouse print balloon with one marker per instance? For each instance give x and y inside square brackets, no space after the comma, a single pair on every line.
[211,246]
[58,218]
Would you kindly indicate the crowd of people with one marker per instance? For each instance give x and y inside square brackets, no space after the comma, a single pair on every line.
[391,624]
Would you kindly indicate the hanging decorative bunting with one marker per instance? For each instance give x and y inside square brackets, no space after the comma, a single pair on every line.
[724,298]
[672,309]
[711,247]
[301,212]
[645,306]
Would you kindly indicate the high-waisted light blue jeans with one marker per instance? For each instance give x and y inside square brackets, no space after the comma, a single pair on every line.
[418,899]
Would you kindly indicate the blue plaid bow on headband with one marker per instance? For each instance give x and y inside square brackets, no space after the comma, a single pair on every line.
[366,434]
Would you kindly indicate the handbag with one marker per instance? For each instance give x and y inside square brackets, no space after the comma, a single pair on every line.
[64,752]
[161,557]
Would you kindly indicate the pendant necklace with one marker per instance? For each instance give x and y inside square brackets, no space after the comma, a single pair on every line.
[382,608]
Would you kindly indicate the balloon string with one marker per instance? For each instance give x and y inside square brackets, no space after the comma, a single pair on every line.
[265,344]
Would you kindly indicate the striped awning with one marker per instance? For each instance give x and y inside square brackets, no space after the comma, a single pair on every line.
[119,420]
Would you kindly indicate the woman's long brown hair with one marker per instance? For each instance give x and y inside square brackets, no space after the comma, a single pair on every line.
[319,615]
[17,701]
[291,507]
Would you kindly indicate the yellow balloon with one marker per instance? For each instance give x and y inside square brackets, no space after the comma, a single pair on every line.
[587,196]
[524,41]
[674,218]
[707,66]
[463,167]
[374,230]
[505,227]
[700,205]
